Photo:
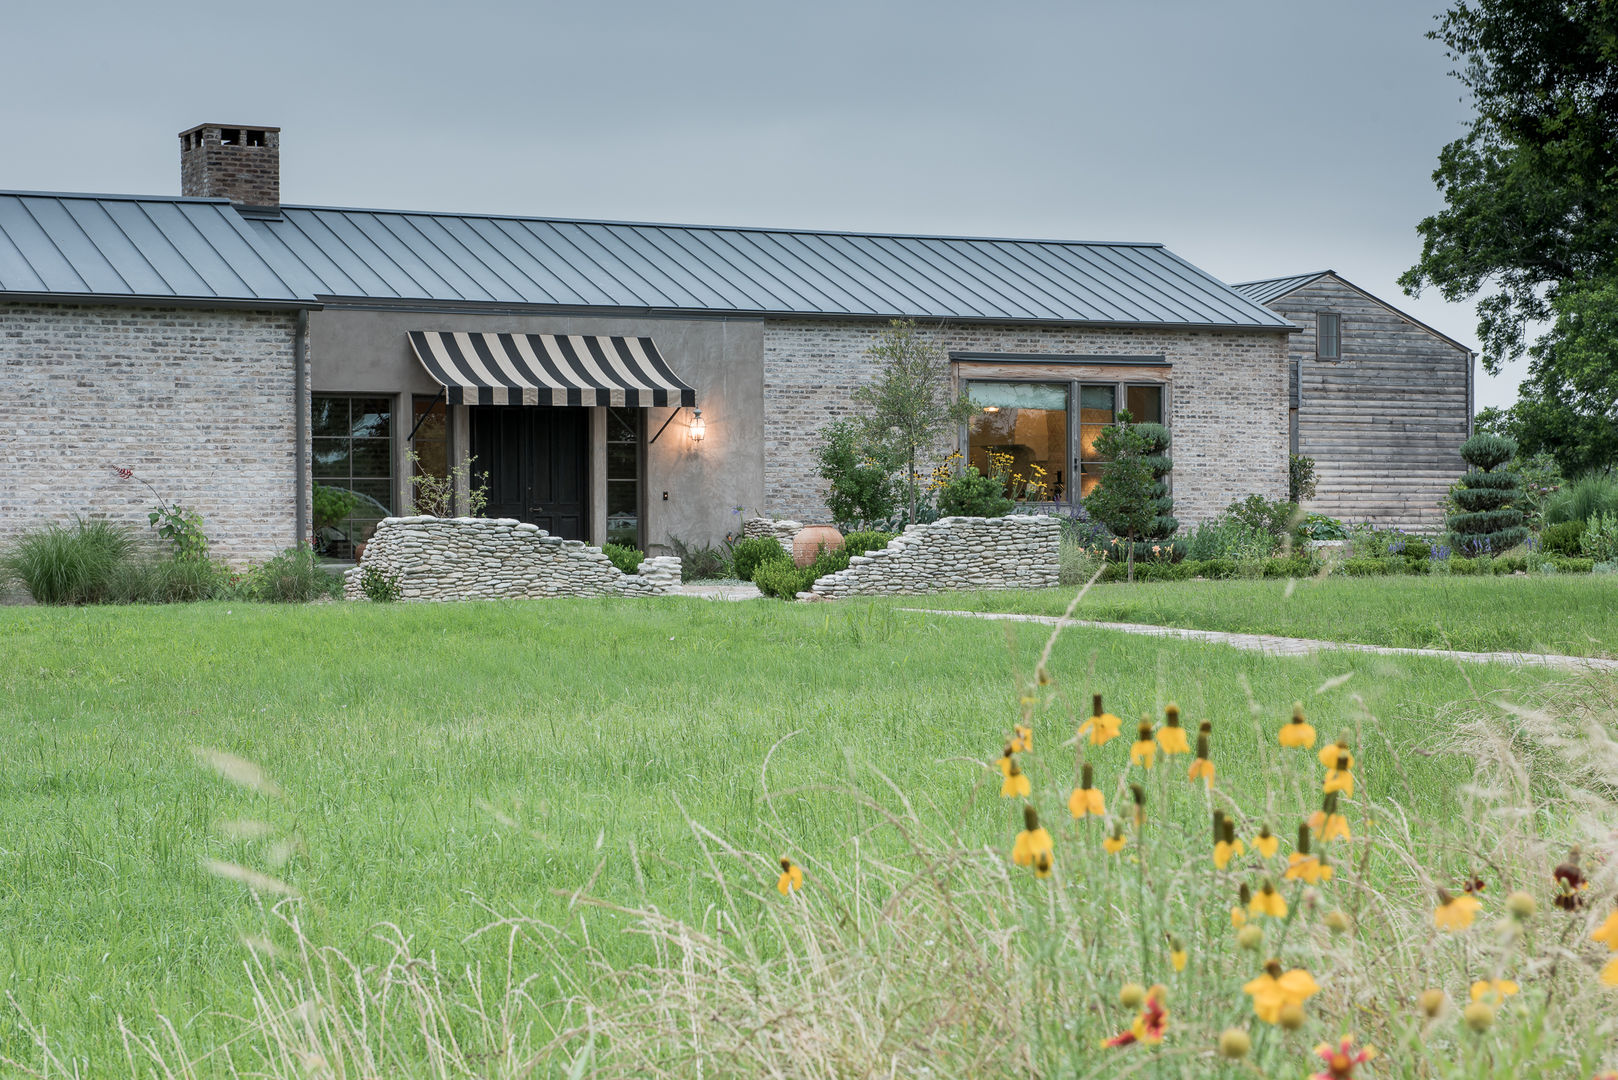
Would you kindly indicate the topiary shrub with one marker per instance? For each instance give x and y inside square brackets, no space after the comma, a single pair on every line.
[971,494]
[628,559]
[1489,521]
[753,552]
[1562,538]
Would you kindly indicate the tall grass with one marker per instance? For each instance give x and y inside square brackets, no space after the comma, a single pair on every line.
[1589,496]
[79,563]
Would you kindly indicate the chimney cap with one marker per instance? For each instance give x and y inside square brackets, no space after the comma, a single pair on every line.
[243,127]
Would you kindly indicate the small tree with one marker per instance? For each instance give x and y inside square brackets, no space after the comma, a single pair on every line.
[1132,498]
[860,475]
[912,403]
[1489,519]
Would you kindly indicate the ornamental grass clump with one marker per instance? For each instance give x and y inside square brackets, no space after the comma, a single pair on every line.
[982,932]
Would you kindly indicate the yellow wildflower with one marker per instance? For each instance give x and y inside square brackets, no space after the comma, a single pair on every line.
[1005,760]
[1016,783]
[1266,843]
[1227,846]
[1102,726]
[1340,778]
[1115,843]
[1328,823]
[1332,751]
[1171,737]
[1607,933]
[1086,799]
[791,877]
[1138,794]
[1609,973]
[1031,841]
[1304,866]
[1202,768]
[1177,954]
[1022,739]
[1238,914]
[1275,989]
[1144,751]
[1297,733]
[1493,991]
[1268,902]
[1043,862]
[1455,912]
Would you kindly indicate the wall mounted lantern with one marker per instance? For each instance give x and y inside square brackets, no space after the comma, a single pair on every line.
[699,427]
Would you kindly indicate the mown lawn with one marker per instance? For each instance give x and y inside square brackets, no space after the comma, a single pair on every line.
[435,755]
[1575,615]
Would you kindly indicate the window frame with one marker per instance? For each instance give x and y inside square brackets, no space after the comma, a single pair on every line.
[352,533]
[639,442]
[1074,481]
[408,471]
[1337,335]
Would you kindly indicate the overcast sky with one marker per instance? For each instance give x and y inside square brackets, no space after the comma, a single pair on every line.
[1256,138]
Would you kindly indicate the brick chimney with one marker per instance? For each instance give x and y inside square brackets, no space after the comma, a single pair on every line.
[242,164]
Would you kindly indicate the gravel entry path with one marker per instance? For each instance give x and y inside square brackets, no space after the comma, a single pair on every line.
[1288,646]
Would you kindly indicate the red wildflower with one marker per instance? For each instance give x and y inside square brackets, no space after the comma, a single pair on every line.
[123,474]
[1341,1059]
[1148,1026]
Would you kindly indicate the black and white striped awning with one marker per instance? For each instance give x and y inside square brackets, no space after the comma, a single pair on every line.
[549,369]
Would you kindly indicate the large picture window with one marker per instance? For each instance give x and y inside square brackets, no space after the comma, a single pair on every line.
[1031,426]
[353,449]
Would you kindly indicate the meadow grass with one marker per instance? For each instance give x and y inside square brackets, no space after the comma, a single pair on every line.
[1574,615]
[439,763]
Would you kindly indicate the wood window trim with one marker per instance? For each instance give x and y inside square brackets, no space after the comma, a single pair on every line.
[1337,336]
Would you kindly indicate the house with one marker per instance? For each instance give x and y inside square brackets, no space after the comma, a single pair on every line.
[1379,400]
[614,381]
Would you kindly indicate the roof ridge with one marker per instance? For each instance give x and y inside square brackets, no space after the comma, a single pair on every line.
[1281,277]
[125,197]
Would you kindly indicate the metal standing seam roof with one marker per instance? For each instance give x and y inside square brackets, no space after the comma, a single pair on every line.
[80,246]
[202,249]
[1272,289]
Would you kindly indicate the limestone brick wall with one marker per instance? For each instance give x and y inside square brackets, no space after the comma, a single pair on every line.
[198,403]
[1227,401]
[955,553]
[497,559]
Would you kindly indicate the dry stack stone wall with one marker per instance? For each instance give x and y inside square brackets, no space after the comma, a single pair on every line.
[782,531]
[954,553]
[498,559]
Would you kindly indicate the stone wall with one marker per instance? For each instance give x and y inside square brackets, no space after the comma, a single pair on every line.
[497,559]
[1228,400]
[954,553]
[781,531]
[198,403]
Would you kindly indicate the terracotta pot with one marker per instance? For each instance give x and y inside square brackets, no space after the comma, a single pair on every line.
[359,551]
[808,542]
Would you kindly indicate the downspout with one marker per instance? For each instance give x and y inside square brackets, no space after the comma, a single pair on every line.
[300,426]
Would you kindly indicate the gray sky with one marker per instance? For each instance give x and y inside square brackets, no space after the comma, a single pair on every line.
[1256,138]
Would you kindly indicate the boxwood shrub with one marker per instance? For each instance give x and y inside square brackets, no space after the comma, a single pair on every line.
[753,552]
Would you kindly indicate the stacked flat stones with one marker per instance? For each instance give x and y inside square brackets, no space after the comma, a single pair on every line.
[1021,552]
[498,559]
[783,531]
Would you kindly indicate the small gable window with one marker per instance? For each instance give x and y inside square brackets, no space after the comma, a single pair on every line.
[1328,336]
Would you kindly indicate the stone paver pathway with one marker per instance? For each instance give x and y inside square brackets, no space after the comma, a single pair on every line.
[741,590]
[1286,646]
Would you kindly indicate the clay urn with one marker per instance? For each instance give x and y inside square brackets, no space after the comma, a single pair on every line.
[809,541]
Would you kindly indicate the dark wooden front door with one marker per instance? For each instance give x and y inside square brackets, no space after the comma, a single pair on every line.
[536,457]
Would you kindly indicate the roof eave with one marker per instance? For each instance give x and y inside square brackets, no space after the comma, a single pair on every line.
[128,300]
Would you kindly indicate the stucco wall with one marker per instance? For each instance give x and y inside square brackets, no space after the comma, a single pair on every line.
[1227,400]
[363,351]
[199,403]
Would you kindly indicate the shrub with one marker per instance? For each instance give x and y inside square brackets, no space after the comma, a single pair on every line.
[1218,569]
[1075,562]
[859,472]
[1363,567]
[1132,497]
[1600,538]
[434,495]
[1291,566]
[754,551]
[1585,498]
[1257,512]
[1228,537]
[331,505]
[1489,519]
[74,564]
[379,586]
[1508,564]
[1321,527]
[628,559]
[1464,567]
[971,494]
[1571,565]
[1300,477]
[293,577]
[706,562]
[1562,538]
[781,579]
[858,543]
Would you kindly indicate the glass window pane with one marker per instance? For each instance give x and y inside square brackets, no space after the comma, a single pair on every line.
[330,457]
[1328,330]
[622,424]
[329,415]
[1095,399]
[432,459]
[1088,479]
[371,457]
[621,461]
[430,418]
[623,515]
[376,499]
[620,498]
[1022,434]
[1145,404]
[372,418]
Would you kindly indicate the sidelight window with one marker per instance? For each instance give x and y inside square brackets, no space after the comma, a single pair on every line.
[623,476]
[353,449]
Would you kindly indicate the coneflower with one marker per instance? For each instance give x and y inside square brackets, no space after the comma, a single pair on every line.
[1171,737]
[1297,733]
[1202,768]
[1144,750]
[1102,727]
[1085,798]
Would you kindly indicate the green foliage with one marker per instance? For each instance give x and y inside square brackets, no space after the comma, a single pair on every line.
[701,562]
[859,470]
[1257,512]
[971,494]
[293,577]
[858,543]
[1229,537]
[1321,527]
[1075,561]
[165,581]
[1365,567]
[1132,498]
[1585,498]
[754,551]
[1561,538]
[911,402]
[1300,477]
[1574,565]
[782,580]
[331,505]
[434,495]
[1488,520]
[379,586]
[628,559]
[74,564]
[1600,539]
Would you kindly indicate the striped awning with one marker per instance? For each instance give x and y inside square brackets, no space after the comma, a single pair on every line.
[549,369]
